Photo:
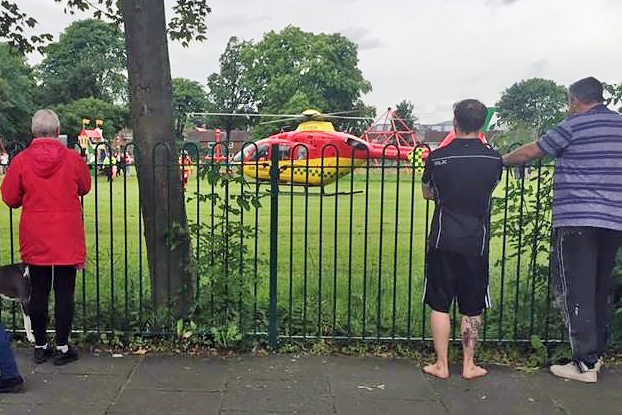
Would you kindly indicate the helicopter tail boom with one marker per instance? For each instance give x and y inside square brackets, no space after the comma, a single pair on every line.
[390,152]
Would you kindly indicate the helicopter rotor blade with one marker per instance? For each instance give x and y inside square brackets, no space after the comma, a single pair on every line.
[343,112]
[281,120]
[322,117]
[286,117]
[339,117]
[230,114]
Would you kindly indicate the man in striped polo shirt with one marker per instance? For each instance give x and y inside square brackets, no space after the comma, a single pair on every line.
[587,219]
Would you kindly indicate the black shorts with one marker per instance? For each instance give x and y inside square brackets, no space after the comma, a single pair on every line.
[452,274]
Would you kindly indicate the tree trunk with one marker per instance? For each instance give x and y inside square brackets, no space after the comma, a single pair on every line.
[161,196]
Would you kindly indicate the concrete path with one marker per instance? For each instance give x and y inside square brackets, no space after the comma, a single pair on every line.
[158,385]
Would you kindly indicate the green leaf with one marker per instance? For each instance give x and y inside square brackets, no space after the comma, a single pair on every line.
[180,327]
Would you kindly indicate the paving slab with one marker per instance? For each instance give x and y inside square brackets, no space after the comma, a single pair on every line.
[167,402]
[55,408]
[18,408]
[288,396]
[167,385]
[277,368]
[86,387]
[273,413]
[58,388]
[395,379]
[572,397]
[91,364]
[374,406]
[503,390]
[180,373]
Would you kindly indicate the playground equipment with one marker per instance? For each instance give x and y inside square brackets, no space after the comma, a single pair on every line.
[89,139]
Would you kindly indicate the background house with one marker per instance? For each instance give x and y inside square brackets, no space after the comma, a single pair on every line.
[206,139]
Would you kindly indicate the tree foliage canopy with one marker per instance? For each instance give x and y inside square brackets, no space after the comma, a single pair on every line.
[188,96]
[536,103]
[17,95]
[615,95]
[291,70]
[87,61]
[323,67]
[187,23]
[405,110]
[227,93]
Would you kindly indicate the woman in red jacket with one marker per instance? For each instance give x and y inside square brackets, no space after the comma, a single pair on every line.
[47,180]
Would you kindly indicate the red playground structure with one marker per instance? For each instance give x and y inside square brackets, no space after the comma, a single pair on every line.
[389,128]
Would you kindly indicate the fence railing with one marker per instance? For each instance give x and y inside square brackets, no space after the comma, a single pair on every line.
[283,260]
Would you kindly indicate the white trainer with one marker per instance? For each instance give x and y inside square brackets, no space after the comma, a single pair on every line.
[571,371]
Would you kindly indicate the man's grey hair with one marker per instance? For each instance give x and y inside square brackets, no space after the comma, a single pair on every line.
[45,123]
[587,90]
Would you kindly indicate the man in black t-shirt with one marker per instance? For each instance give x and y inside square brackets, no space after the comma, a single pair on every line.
[460,178]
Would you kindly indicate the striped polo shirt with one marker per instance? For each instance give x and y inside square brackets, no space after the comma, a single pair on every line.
[587,182]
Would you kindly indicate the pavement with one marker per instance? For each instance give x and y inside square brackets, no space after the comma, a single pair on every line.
[289,384]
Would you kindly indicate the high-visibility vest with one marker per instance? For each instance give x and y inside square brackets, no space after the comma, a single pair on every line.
[417,157]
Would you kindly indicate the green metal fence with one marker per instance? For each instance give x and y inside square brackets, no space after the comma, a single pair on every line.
[286,261]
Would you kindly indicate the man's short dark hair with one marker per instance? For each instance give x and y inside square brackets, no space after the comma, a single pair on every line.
[587,90]
[470,115]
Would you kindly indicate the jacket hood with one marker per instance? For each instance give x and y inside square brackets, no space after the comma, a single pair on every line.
[45,156]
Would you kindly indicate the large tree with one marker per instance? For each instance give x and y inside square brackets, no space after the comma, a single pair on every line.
[226,91]
[614,92]
[367,113]
[534,103]
[291,69]
[188,96]
[17,89]
[87,61]
[405,111]
[168,244]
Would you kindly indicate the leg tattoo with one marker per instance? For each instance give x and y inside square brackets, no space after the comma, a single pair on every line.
[471,332]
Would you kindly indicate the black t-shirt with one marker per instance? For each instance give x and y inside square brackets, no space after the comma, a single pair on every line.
[462,176]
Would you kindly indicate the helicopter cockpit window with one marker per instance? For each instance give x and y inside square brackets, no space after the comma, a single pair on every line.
[245,154]
[301,153]
[284,152]
[262,153]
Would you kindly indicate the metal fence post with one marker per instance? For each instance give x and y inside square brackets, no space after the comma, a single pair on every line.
[274,223]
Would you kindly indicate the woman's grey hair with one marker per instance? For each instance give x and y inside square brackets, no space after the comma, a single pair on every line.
[45,123]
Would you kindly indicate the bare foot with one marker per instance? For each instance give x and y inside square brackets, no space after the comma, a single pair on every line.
[437,370]
[472,372]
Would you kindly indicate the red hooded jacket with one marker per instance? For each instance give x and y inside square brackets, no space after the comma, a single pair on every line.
[46,180]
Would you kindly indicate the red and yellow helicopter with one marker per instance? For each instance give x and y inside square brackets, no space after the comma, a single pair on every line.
[314,154]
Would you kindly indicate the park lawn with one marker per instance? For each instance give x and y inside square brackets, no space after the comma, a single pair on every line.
[347,264]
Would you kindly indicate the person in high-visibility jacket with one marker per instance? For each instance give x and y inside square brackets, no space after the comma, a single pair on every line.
[417,157]
[185,163]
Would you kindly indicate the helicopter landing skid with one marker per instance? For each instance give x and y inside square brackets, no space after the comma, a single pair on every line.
[346,193]
[307,191]
[321,193]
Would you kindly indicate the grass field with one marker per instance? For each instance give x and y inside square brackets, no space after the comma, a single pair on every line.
[350,264]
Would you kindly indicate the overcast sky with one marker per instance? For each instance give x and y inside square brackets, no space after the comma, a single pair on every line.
[432,52]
